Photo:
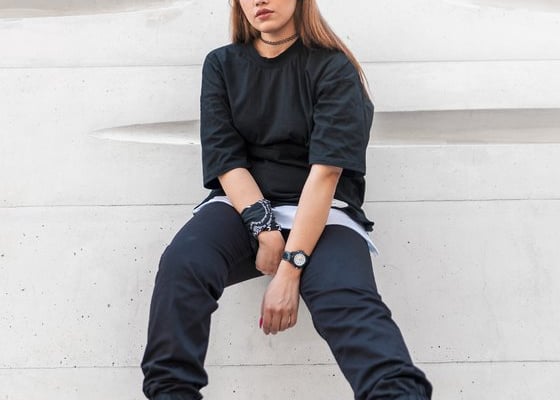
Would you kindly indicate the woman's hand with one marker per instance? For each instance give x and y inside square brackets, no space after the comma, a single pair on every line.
[280,304]
[269,254]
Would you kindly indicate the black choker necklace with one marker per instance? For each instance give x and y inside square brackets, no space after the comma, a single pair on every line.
[279,42]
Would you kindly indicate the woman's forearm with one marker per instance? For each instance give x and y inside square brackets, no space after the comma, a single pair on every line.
[313,208]
[281,299]
[243,191]
[240,188]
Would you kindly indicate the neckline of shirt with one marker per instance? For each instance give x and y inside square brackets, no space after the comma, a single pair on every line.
[274,61]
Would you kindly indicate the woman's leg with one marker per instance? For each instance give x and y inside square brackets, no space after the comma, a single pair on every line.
[209,253]
[339,289]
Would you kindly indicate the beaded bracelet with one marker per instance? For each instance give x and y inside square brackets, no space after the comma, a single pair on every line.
[258,217]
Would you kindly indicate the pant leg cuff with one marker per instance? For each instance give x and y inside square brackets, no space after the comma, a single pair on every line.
[177,396]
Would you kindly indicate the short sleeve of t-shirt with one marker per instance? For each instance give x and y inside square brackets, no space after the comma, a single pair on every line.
[223,148]
[342,117]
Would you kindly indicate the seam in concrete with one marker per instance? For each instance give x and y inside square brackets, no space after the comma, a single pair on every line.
[48,67]
[364,63]
[452,362]
[489,362]
[194,204]
[100,205]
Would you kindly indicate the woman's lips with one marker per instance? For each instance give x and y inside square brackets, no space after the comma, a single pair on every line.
[263,14]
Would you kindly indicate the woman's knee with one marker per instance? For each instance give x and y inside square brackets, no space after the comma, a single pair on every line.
[190,261]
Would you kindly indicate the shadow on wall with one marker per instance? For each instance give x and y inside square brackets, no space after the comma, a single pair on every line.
[41,8]
[390,128]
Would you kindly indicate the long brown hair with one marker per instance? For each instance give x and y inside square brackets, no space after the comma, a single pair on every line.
[312,28]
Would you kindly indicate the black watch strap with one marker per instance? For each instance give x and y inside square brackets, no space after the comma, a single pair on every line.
[297,258]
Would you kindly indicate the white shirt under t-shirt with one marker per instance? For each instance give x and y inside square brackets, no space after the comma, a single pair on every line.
[285,215]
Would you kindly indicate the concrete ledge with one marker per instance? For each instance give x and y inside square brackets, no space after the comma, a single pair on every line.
[40,9]
[467,281]
[166,32]
[391,128]
[467,127]
[486,381]
[139,174]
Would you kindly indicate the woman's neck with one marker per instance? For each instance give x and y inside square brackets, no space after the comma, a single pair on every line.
[272,44]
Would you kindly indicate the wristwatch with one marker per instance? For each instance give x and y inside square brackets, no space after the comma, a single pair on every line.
[297,258]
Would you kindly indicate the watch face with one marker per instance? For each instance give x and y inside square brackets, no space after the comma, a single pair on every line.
[300,259]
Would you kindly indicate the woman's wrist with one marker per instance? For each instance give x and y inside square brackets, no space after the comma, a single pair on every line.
[259,218]
[288,270]
[268,235]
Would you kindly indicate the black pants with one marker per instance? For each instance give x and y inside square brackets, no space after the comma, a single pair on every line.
[213,251]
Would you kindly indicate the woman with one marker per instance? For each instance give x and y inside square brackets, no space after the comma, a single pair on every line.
[285,121]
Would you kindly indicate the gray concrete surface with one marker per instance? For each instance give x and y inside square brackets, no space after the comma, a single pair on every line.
[99,167]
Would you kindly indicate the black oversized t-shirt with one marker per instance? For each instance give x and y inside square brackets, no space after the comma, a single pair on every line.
[278,116]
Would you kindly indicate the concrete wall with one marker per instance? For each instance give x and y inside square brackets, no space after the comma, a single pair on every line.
[99,167]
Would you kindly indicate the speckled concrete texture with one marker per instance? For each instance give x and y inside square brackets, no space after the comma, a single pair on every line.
[100,165]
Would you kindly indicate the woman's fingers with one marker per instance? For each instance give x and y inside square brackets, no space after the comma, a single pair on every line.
[280,304]
[273,323]
[292,320]
[285,322]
